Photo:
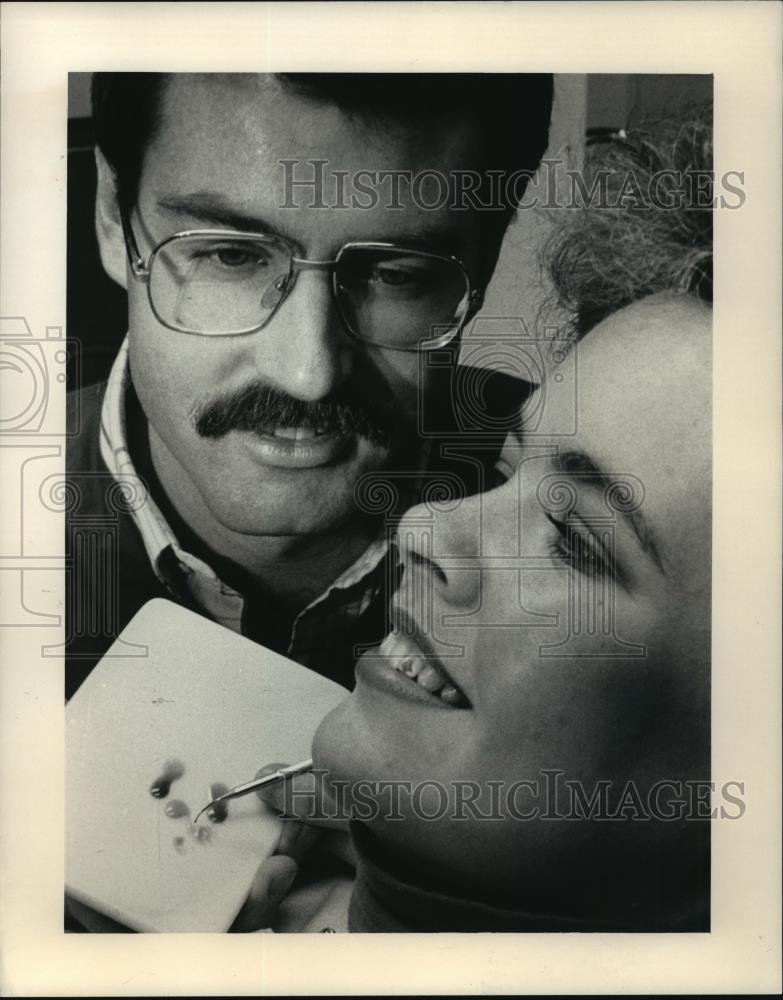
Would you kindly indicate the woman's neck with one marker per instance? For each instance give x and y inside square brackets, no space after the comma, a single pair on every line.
[392,895]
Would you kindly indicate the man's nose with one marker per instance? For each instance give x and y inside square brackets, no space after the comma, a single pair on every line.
[304,349]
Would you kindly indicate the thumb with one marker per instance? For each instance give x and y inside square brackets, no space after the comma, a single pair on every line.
[271,883]
[305,797]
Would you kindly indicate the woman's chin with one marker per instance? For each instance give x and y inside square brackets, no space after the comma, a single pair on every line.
[333,747]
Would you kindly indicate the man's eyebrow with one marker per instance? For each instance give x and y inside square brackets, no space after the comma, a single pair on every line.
[579,463]
[438,239]
[212,210]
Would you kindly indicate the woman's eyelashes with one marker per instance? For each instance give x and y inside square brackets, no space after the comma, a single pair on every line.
[580,550]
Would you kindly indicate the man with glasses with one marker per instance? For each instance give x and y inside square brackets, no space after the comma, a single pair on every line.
[293,267]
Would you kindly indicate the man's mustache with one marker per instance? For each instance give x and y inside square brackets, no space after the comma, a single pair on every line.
[260,408]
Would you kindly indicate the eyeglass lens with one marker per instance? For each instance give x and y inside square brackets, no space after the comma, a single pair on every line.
[211,285]
[397,297]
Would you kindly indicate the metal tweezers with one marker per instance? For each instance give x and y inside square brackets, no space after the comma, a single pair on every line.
[250,786]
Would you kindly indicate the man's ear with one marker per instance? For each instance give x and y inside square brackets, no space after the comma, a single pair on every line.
[108,226]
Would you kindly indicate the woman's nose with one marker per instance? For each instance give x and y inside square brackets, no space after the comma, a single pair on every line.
[440,548]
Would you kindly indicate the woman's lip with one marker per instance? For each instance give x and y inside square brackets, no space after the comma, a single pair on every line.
[379,673]
[290,453]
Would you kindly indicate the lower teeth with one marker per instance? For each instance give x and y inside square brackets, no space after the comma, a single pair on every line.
[450,695]
[296,433]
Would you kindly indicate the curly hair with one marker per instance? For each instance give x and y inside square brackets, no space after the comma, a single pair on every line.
[646,225]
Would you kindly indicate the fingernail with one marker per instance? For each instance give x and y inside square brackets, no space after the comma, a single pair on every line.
[280,885]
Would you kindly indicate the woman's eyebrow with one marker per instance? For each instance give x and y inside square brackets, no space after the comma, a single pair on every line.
[579,464]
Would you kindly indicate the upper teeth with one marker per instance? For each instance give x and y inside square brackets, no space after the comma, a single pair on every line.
[295,433]
[407,658]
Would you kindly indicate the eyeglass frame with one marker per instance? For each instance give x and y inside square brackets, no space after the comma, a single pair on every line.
[141,271]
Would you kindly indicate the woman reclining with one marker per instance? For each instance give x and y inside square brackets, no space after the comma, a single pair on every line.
[529,748]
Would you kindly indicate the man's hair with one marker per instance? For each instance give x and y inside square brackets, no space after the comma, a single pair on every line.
[646,225]
[512,109]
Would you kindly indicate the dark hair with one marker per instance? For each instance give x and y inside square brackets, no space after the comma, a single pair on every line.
[513,109]
[125,117]
[647,227]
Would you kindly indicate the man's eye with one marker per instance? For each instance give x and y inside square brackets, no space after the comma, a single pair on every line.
[236,257]
[395,277]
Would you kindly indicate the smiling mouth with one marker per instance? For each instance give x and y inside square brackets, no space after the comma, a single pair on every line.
[303,446]
[421,669]
[300,432]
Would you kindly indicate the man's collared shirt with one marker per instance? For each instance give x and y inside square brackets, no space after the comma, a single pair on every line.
[193,582]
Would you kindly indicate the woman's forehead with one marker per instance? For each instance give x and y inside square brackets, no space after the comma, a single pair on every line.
[649,363]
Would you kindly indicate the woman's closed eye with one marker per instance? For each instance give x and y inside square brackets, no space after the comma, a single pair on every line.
[580,550]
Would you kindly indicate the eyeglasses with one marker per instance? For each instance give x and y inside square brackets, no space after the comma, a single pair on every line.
[216,283]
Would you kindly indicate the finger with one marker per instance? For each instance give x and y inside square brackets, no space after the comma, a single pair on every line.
[273,879]
[270,769]
[306,797]
[298,839]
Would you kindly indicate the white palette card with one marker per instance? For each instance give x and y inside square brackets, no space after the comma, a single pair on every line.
[205,702]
